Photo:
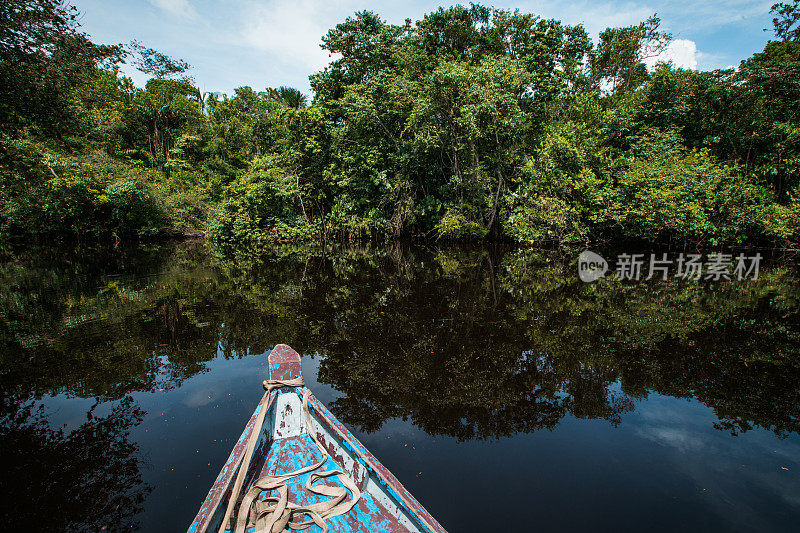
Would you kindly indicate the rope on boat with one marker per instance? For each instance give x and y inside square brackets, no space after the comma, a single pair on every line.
[273,514]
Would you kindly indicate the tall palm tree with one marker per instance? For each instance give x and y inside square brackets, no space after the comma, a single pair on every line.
[206,98]
[288,96]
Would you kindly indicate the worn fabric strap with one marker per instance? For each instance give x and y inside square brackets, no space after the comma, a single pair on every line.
[275,518]
[264,406]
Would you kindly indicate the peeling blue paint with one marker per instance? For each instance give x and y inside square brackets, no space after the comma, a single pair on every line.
[288,455]
[359,452]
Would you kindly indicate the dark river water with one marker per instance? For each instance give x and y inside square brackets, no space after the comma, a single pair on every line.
[498,387]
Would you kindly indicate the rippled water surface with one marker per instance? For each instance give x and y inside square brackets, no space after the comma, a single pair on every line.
[492,382]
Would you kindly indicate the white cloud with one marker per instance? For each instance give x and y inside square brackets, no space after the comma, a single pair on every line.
[682,53]
[291,30]
[203,396]
[179,8]
[682,439]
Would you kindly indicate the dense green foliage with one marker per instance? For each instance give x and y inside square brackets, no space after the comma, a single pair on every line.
[472,123]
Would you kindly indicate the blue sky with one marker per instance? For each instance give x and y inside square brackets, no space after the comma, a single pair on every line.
[267,43]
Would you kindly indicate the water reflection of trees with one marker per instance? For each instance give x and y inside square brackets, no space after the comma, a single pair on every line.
[477,343]
[85,479]
[102,324]
[469,342]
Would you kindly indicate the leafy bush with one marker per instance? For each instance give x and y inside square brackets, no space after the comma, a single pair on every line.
[48,195]
[455,225]
[668,193]
[135,210]
[260,206]
[559,197]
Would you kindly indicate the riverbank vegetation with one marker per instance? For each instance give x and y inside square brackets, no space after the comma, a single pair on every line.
[472,123]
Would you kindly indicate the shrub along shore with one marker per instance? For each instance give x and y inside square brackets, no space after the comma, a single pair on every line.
[472,123]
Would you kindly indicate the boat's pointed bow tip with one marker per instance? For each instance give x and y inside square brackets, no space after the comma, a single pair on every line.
[284,363]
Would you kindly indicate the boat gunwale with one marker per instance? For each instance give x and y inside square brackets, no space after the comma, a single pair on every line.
[382,474]
[222,483]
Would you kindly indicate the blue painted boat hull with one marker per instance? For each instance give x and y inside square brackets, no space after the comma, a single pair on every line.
[285,444]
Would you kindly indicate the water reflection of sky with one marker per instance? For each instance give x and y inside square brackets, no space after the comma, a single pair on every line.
[664,465]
